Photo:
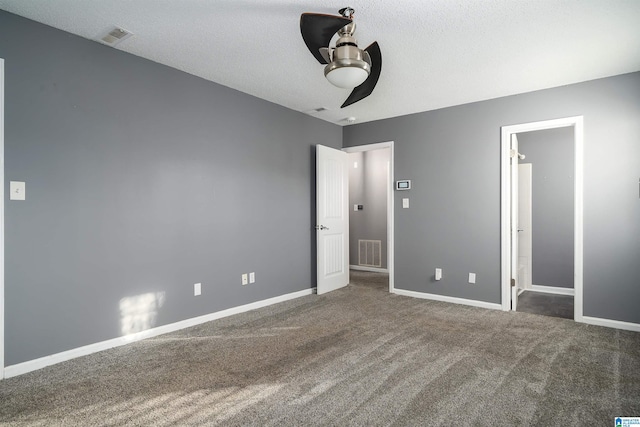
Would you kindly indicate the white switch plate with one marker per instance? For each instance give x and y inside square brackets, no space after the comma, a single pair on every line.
[355,207]
[252,277]
[17,190]
[472,277]
[438,274]
[197,289]
[245,279]
[405,203]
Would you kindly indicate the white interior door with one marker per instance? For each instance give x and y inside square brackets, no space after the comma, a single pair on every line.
[514,222]
[525,242]
[332,218]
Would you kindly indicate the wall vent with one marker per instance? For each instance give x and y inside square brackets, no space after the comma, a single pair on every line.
[114,35]
[370,253]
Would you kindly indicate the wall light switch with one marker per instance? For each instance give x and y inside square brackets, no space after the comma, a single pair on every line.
[438,274]
[355,207]
[17,190]
[405,203]
[472,277]
[197,289]
[252,277]
[245,279]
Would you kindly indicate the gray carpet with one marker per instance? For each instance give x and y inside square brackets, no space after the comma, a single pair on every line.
[357,356]
[546,304]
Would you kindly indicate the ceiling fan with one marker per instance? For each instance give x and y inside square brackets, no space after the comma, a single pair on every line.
[347,65]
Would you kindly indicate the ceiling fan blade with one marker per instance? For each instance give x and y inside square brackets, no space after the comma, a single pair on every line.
[365,89]
[317,30]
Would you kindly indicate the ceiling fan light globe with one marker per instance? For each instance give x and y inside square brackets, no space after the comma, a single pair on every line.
[347,74]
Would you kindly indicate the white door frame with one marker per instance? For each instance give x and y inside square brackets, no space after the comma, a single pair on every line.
[390,198]
[513,232]
[577,123]
[1,218]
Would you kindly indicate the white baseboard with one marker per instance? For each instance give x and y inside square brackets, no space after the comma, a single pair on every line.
[32,365]
[616,324]
[551,290]
[371,269]
[443,298]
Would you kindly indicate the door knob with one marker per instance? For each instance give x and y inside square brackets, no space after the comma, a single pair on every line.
[321,227]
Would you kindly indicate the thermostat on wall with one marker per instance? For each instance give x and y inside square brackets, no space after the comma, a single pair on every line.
[404,184]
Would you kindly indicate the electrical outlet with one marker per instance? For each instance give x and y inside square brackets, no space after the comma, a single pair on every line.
[252,277]
[245,279]
[197,289]
[472,277]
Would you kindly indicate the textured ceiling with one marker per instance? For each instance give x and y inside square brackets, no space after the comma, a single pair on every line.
[436,53]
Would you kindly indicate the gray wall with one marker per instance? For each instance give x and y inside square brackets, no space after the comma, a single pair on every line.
[453,157]
[551,154]
[141,181]
[368,186]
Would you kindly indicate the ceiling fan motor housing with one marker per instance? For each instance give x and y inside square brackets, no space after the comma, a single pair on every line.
[346,54]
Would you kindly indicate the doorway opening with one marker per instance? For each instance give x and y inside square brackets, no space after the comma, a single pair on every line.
[545,222]
[561,275]
[371,209]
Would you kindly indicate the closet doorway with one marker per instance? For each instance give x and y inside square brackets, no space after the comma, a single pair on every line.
[546,222]
[557,262]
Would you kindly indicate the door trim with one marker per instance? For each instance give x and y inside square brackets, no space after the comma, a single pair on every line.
[577,123]
[1,218]
[390,199]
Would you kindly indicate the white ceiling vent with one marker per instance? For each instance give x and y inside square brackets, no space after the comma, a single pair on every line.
[114,35]
[316,110]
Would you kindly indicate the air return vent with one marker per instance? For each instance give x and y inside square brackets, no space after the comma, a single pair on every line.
[114,35]
[369,253]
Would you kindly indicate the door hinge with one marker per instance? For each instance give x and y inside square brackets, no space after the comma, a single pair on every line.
[513,282]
